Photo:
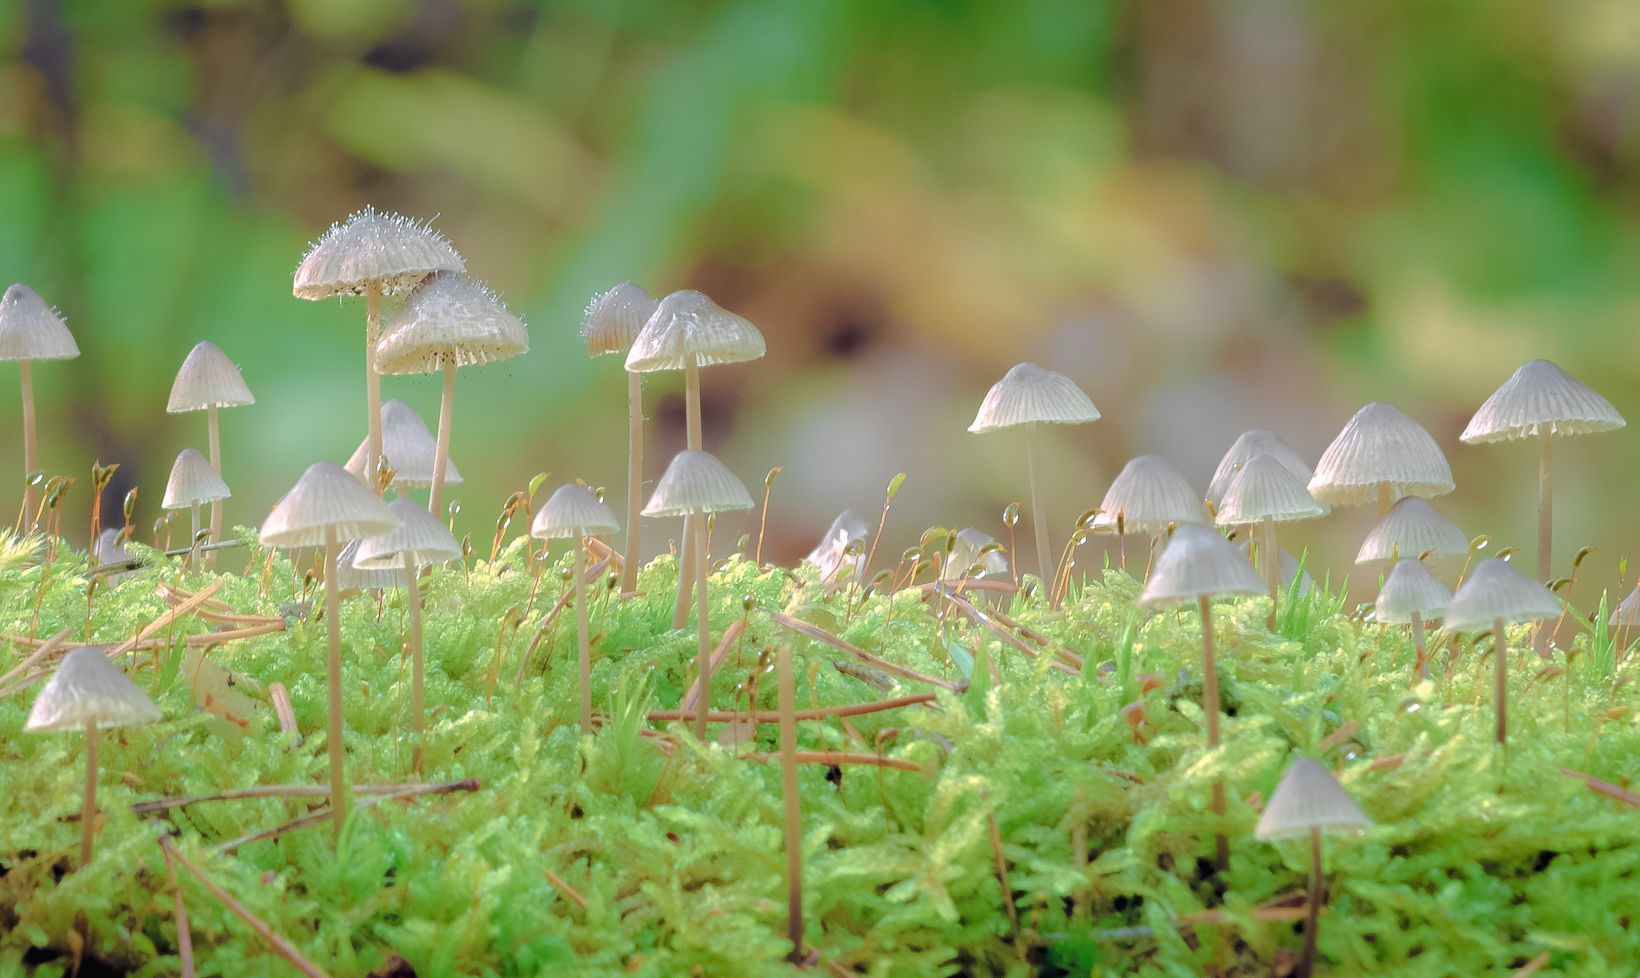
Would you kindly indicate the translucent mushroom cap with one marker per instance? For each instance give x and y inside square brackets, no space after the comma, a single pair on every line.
[32,330]
[419,539]
[1250,445]
[410,449]
[1627,612]
[688,322]
[696,482]
[207,379]
[1309,797]
[1267,489]
[193,481]
[326,498]
[1148,494]
[573,511]
[829,553]
[1029,394]
[975,554]
[1540,394]
[1410,589]
[349,576]
[1380,445]
[1412,529]
[391,250]
[449,318]
[614,318]
[1494,589]
[88,689]
[1195,563]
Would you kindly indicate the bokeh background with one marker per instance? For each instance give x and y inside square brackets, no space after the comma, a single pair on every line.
[1214,216]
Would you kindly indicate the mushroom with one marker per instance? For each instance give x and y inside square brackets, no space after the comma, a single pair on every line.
[1148,496]
[975,553]
[1625,617]
[324,508]
[1310,801]
[1266,492]
[1412,529]
[1411,595]
[694,485]
[351,577]
[1249,446]
[1029,396]
[573,511]
[409,449]
[31,330]
[1380,454]
[1493,596]
[421,539]
[373,254]
[89,693]
[193,481]
[849,529]
[206,381]
[1289,568]
[613,320]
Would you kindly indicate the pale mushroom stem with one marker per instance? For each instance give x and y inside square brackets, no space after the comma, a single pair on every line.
[1039,513]
[1546,520]
[1418,645]
[1272,567]
[333,625]
[31,449]
[692,432]
[1500,656]
[193,545]
[1386,499]
[1306,961]
[418,696]
[441,450]
[794,828]
[581,634]
[634,479]
[1210,705]
[373,383]
[216,466]
[88,810]
[703,625]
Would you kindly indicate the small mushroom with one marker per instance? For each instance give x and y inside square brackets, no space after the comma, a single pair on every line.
[975,553]
[206,381]
[832,552]
[1288,568]
[351,577]
[409,449]
[1412,529]
[613,320]
[1148,496]
[31,330]
[1264,493]
[1380,454]
[193,481]
[1625,618]
[573,511]
[1411,595]
[1250,445]
[1493,596]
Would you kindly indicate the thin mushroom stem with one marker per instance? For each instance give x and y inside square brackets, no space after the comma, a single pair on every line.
[634,479]
[1272,567]
[216,466]
[88,810]
[1500,655]
[31,448]
[441,450]
[788,783]
[1210,704]
[1546,520]
[372,382]
[418,702]
[1039,513]
[333,625]
[703,625]
[193,541]
[692,441]
[1419,646]
[581,634]
[185,937]
[1306,961]
[1386,499]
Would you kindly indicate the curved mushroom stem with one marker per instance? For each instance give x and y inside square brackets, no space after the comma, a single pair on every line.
[788,783]
[703,625]
[1419,647]
[216,466]
[88,810]
[1386,499]
[1039,513]
[418,701]
[1210,705]
[634,479]
[372,382]
[333,625]
[1306,961]
[1500,656]
[1546,521]
[1272,567]
[31,449]
[692,426]
[581,633]
[441,450]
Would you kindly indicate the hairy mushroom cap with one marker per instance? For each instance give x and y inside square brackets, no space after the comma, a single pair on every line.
[207,379]
[1266,489]
[450,317]
[573,511]
[1250,445]
[688,322]
[1412,529]
[87,688]
[1148,494]
[1540,394]
[1380,445]
[325,498]
[193,481]
[974,549]
[393,251]
[1196,563]
[830,552]
[32,330]
[1029,394]
[350,576]
[410,449]
[614,318]
[1494,589]
[419,539]
[696,482]
[1410,590]
[1309,797]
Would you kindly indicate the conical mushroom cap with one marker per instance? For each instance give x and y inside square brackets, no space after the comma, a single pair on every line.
[1029,394]
[966,553]
[615,317]
[410,449]
[32,330]
[87,688]
[449,317]
[697,482]
[1266,489]
[325,498]
[1495,589]
[829,553]
[1148,494]
[1412,529]
[1410,590]
[1288,569]
[207,379]
[688,322]
[394,251]
[1198,562]
[1540,393]
[1250,445]
[352,577]
[1309,797]
[1379,445]
[573,511]
[1627,613]
[420,539]
[193,481]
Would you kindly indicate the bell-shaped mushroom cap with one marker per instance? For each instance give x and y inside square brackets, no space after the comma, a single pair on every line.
[688,322]
[1412,529]
[1028,394]
[1540,393]
[1198,562]
[1309,797]
[830,552]
[410,449]
[573,511]
[615,317]
[32,330]
[1495,589]
[1266,489]
[419,539]
[696,482]
[1286,571]
[1148,494]
[350,576]
[394,251]
[1380,445]
[449,317]
[207,379]
[193,481]
[1410,590]
[975,554]
[1250,445]
[87,688]
[326,498]
[1627,612]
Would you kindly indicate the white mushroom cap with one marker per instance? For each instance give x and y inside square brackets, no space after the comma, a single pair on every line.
[394,251]
[1412,529]
[1148,494]
[1250,445]
[1627,612]
[207,379]
[87,688]
[573,511]
[1410,590]
[1287,570]
[688,322]
[410,449]
[1029,394]
[696,482]
[615,317]
[966,553]
[193,481]
[1309,797]
[420,539]
[32,330]
[449,317]
[1266,489]
[349,576]
[1540,393]
[1197,562]
[828,554]
[326,498]
[1380,445]
[1495,589]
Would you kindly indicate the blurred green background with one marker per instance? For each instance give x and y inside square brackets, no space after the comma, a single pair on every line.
[1212,215]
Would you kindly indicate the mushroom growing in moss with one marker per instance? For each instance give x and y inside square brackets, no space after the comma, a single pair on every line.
[1412,596]
[1493,596]
[574,512]
[1250,445]
[612,322]
[31,330]
[1264,493]
[410,450]
[207,381]
[1148,496]
[1381,454]
[193,481]
[1413,529]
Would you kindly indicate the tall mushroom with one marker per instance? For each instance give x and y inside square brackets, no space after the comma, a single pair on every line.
[31,330]
[1264,493]
[612,322]
[193,481]
[1148,496]
[1381,454]
[1250,445]
[1411,595]
[206,381]
[1493,596]
[573,511]
[409,448]
[1412,530]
